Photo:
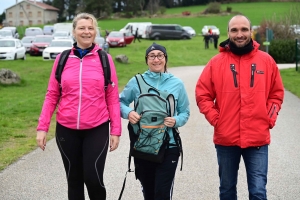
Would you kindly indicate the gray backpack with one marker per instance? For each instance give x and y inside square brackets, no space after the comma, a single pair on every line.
[152,135]
[149,138]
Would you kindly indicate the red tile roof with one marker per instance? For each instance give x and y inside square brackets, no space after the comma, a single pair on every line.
[42,5]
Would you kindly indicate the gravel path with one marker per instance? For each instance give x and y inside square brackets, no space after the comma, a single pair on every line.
[40,175]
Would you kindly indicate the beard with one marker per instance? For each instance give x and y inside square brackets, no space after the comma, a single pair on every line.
[245,39]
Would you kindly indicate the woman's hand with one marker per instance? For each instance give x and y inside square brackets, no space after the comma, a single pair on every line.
[41,139]
[169,122]
[114,142]
[134,117]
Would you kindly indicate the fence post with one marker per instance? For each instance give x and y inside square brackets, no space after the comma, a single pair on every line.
[297,54]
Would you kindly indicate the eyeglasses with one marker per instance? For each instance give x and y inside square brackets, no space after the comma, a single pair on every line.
[159,56]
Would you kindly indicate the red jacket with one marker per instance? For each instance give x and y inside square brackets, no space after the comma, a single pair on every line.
[84,103]
[241,97]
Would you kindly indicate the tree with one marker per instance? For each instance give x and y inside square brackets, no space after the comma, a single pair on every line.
[72,6]
[153,6]
[49,2]
[98,7]
[2,17]
[60,4]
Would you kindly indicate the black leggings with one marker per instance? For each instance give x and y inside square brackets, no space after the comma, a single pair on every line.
[157,179]
[83,153]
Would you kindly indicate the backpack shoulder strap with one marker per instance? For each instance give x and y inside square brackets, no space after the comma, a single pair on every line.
[61,64]
[143,85]
[106,68]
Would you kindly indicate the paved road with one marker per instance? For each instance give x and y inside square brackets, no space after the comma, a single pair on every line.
[40,175]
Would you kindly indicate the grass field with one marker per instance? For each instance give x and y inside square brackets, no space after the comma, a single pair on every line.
[20,105]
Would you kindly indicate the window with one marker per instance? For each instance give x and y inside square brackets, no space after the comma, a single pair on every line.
[28,6]
[10,23]
[30,22]
[39,13]
[39,21]
[30,14]
[178,28]
[21,14]
[171,28]
[10,14]
[21,23]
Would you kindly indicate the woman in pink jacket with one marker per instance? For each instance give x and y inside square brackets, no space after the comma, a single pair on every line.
[85,110]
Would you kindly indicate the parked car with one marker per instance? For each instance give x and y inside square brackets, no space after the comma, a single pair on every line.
[33,31]
[190,30]
[40,42]
[166,32]
[61,35]
[6,34]
[27,42]
[13,30]
[102,43]
[12,49]
[56,47]
[214,30]
[119,39]
[48,29]
[132,26]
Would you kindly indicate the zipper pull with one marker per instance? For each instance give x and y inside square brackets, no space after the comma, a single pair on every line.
[253,68]
[234,73]
[232,67]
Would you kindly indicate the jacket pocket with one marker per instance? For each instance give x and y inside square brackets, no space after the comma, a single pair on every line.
[272,114]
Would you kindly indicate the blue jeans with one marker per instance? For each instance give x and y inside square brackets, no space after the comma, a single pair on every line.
[256,163]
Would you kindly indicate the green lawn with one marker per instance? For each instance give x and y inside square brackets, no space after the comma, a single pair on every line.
[20,105]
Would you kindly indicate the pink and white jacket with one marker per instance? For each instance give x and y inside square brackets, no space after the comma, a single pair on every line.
[84,103]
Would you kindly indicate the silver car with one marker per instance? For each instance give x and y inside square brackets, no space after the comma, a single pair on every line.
[27,42]
[102,43]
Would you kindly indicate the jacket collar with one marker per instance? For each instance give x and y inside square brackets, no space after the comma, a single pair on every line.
[226,48]
[158,75]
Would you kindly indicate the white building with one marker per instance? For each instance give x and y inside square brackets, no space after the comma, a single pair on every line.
[30,12]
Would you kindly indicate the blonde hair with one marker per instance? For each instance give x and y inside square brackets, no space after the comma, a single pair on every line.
[85,16]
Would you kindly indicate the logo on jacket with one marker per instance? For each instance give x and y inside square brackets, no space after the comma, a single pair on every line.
[260,72]
[152,47]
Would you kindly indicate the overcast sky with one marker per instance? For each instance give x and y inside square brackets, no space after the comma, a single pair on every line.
[6,4]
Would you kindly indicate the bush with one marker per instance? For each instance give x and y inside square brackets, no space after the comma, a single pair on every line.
[214,7]
[283,51]
[228,9]
[162,10]
[127,15]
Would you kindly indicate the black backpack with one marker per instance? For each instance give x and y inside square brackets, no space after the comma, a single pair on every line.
[103,59]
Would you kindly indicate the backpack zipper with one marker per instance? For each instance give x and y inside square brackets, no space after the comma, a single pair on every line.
[253,68]
[234,73]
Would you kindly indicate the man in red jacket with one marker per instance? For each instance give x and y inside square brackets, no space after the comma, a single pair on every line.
[240,92]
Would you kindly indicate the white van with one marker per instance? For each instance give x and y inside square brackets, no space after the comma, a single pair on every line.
[63,27]
[132,26]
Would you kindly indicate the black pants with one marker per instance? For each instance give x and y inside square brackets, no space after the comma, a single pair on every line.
[83,153]
[157,179]
[136,37]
